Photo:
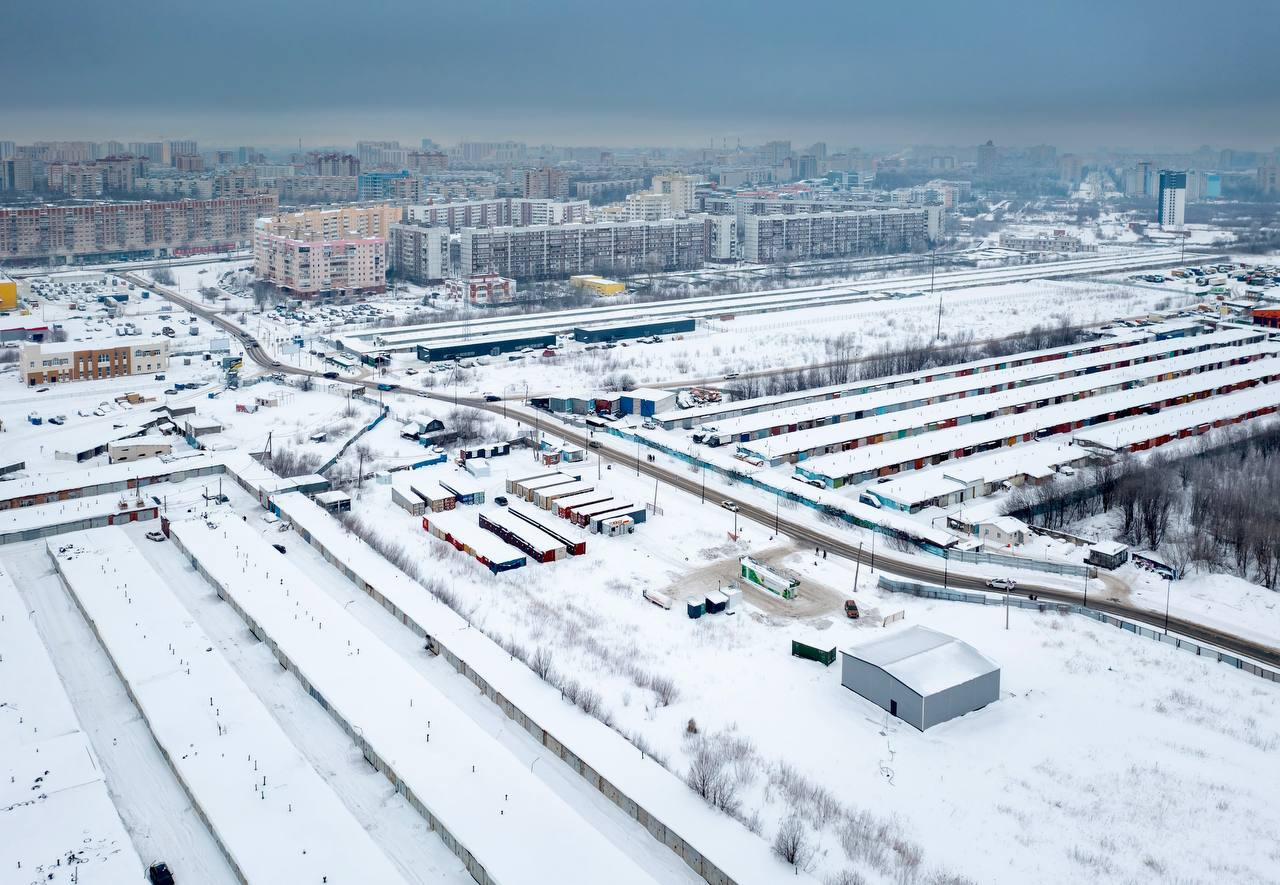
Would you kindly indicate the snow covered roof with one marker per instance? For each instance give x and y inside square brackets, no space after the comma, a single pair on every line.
[1109,548]
[924,660]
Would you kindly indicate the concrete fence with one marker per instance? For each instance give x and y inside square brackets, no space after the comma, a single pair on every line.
[928,591]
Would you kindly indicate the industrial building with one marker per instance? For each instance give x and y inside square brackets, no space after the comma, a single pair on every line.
[596,334]
[921,676]
[492,345]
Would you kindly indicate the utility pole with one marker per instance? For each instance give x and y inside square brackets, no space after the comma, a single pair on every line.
[1168,591]
[873,550]
[1085,604]
[857,569]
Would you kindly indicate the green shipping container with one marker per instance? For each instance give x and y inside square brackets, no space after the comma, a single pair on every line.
[824,656]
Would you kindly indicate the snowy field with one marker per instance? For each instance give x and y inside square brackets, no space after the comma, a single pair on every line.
[1083,708]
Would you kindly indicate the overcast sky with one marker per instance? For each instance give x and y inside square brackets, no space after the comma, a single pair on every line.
[594,72]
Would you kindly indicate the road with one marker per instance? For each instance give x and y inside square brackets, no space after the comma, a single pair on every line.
[914,568]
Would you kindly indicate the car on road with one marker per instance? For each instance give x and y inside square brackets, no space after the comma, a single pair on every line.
[170,392]
[158,874]
[729,376]
[279,547]
[491,398]
[155,536]
[331,374]
[1002,584]
[500,500]
[42,390]
[729,505]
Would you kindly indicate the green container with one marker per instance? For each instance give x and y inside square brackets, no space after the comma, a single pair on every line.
[824,656]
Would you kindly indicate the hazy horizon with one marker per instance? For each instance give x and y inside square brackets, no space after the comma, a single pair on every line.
[678,76]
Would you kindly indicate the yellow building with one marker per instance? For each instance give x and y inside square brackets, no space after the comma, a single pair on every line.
[599,285]
[8,293]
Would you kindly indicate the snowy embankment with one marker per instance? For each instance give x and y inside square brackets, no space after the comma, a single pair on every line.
[503,820]
[274,816]
[57,821]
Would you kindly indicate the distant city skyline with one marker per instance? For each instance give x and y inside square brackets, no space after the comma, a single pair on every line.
[572,74]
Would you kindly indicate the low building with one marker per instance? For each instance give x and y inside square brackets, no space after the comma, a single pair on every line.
[334,501]
[138,448]
[51,363]
[1058,241]
[482,289]
[633,329]
[8,293]
[599,285]
[491,345]
[921,676]
[1107,554]
[1003,531]
[1268,317]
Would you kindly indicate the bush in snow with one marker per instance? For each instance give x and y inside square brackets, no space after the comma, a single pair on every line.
[791,842]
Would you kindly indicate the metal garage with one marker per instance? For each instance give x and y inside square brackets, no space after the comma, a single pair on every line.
[921,676]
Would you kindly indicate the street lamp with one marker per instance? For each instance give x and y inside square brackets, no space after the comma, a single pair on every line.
[1168,591]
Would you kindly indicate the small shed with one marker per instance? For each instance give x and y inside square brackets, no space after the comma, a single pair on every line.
[334,501]
[716,601]
[695,607]
[1003,531]
[921,676]
[1108,554]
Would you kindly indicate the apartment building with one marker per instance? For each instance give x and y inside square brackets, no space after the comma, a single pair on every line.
[587,190]
[332,164]
[550,251]
[647,207]
[345,221]
[319,251]
[856,232]
[16,175]
[680,188]
[86,180]
[401,185]
[547,182]
[108,230]
[317,188]
[54,363]
[498,212]
[419,253]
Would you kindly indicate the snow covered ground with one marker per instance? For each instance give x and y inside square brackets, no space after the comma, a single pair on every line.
[1083,708]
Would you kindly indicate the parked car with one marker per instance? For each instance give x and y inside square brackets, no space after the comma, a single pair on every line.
[1002,584]
[851,609]
[279,547]
[155,536]
[158,874]
[500,500]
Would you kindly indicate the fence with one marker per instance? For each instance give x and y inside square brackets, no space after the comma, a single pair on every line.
[986,558]
[359,433]
[926,591]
